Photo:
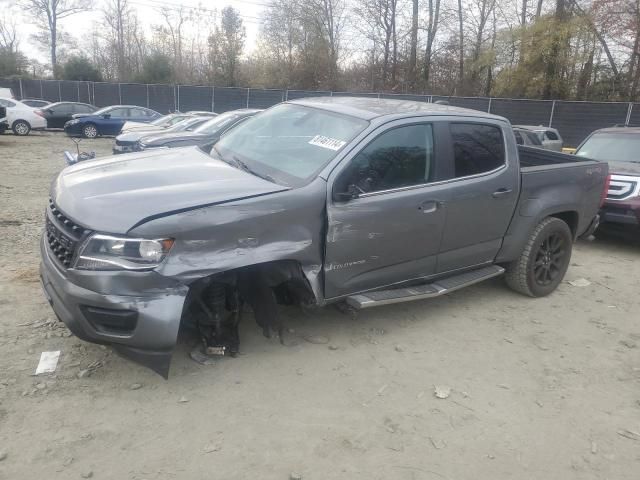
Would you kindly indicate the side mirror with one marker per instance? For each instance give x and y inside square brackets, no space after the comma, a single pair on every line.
[351,194]
[106,115]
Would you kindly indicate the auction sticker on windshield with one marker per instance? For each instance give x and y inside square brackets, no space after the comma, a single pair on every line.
[327,142]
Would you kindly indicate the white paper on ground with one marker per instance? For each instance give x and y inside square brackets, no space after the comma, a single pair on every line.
[48,362]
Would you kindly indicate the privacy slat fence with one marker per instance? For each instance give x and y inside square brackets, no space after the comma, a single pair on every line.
[575,120]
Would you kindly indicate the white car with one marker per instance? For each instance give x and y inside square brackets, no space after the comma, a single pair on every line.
[22,118]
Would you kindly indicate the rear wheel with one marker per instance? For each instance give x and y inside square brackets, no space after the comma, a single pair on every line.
[21,127]
[544,261]
[90,131]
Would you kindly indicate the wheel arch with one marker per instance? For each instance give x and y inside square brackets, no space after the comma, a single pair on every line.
[570,217]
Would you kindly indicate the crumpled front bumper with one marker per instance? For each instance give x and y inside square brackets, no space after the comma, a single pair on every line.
[137,313]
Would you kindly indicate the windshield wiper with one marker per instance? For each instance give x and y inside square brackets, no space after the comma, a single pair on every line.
[248,169]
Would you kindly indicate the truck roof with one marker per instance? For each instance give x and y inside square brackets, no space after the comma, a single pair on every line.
[630,130]
[368,108]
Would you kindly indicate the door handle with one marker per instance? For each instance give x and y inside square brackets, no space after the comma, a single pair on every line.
[501,192]
[430,206]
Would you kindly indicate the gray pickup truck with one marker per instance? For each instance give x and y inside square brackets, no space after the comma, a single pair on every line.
[354,201]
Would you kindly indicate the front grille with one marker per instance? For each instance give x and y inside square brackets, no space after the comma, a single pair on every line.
[63,235]
[622,187]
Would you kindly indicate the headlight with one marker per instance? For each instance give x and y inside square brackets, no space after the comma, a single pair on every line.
[108,252]
[71,122]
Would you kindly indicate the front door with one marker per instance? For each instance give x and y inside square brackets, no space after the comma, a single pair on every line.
[112,124]
[385,214]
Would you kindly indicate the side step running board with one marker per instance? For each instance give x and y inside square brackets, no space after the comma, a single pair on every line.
[427,290]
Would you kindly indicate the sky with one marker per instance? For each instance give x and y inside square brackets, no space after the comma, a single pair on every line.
[250,11]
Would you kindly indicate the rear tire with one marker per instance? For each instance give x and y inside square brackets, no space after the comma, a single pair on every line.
[21,127]
[544,261]
[89,131]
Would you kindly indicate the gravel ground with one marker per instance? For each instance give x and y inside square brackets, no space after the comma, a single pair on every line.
[535,388]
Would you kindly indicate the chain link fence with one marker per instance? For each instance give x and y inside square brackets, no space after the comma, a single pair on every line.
[574,120]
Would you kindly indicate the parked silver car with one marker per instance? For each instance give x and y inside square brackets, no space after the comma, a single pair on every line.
[549,137]
[527,138]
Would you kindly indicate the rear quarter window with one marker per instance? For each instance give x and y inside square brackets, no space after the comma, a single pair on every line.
[551,135]
[477,148]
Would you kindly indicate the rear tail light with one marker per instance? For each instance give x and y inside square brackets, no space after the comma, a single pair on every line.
[39,113]
[605,190]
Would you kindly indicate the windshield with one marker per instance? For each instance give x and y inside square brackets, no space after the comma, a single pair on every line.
[216,123]
[188,125]
[612,147]
[290,142]
[102,111]
[162,120]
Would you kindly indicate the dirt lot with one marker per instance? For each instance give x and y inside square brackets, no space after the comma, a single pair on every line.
[540,389]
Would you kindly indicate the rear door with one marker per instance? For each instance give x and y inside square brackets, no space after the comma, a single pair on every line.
[385,210]
[60,114]
[484,185]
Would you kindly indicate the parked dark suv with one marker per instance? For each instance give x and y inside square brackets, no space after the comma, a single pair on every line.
[620,147]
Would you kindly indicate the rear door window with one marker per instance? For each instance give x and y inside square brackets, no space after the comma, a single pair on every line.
[63,109]
[477,148]
[82,109]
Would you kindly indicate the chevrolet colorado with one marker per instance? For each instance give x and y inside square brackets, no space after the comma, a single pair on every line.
[355,201]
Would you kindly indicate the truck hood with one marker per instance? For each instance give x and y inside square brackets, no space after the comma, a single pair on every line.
[115,194]
[624,168]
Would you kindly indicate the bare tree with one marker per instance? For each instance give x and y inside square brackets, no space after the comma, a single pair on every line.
[330,19]
[461,44]
[379,18]
[47,15]
[432,29]
[8,34]
[174,22]
[413,55]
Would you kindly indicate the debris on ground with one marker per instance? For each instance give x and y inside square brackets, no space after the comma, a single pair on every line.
[437,444]
[594,447]
[442,391]
[382,389]
[87,474]
[628,343]
[399,348]
[212,447]
[198,356]
[135,386]
[295,476]
[317,339]
[580,282]
[183,400]
[83,373]
[48,362]
[3,455]
[630,434]
[333,347]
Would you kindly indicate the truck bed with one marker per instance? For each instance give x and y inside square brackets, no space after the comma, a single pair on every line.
[532,158]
